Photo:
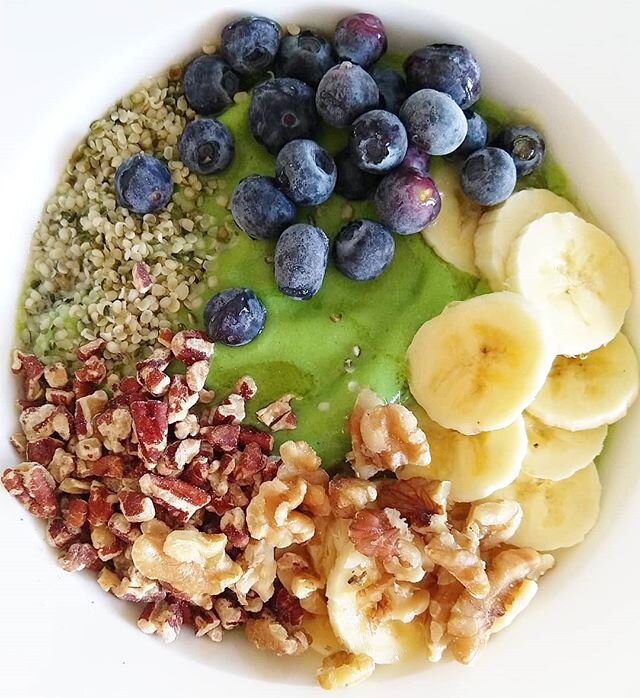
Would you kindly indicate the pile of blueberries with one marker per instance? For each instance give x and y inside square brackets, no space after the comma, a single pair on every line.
[394,124]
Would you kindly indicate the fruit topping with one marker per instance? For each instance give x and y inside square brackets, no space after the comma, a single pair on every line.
[281,110]
[209,84]
[260,209]
[392,87]
[250,44]
[143,184]
[306,56]
[488,176]
[206,146]
[446,68]
[360,38]
[345,92]
[378,141]
[234,316]
[363,249]
[301,260]
[434,122]
[525,145]
[306,172]
[407,201]
[352,182]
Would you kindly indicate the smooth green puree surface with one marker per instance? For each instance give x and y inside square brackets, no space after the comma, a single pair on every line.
[351,334]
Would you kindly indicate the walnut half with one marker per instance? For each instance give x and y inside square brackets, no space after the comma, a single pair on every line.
[384,437]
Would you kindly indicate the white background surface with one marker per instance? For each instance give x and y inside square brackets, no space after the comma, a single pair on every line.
[63,63]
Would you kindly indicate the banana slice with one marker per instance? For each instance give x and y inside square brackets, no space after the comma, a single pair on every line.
[555,454]
[476,465]
[478,365]
[555,514]
[451,234]
[586,392]
[373,615]
[323,639]
[500,226]
[576,275]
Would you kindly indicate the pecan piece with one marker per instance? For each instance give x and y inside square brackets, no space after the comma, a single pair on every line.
[223,437]
[32,370]
[190,346]
[114,426]
[279,414]
[19,442]
[32,485]
[196,375]
[250,462]
[42,450]
[151,427]
[164,618]
[93,348]
[56,396]
[180,498]
[246,387]
[206,624]
[100,504]
[231,410]
[56,375]
[80,556]
[94,370]
[74,512]
[122,528]
[180,399]
[105,543]
[135,506]
[249,434]
[59,535]
[87,408]
[62,465]
[287,607]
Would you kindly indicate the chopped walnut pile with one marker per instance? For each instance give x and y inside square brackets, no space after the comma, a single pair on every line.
[181,507]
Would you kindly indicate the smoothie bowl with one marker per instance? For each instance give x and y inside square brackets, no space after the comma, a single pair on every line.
[317,341]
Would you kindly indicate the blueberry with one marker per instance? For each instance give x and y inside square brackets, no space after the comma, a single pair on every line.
[250,44]
[300,260]
[407,201]
[360,38]
[434,122]
[392,87]
[416,159]
[446,68]
[143,184]
[234,316]
[306,172]
[281,110]
[306,56]
[206,146]
[209,84]
[477,133]
[378,141]
[345,92]
[488,176]
[353,183]
[260,209]
[363,250]
[525,145]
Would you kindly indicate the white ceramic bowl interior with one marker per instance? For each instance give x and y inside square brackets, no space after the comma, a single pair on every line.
[68,622]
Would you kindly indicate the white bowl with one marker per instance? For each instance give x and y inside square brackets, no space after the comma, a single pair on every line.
[60,634]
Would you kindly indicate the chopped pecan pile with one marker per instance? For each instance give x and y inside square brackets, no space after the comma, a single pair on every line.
[142,482]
